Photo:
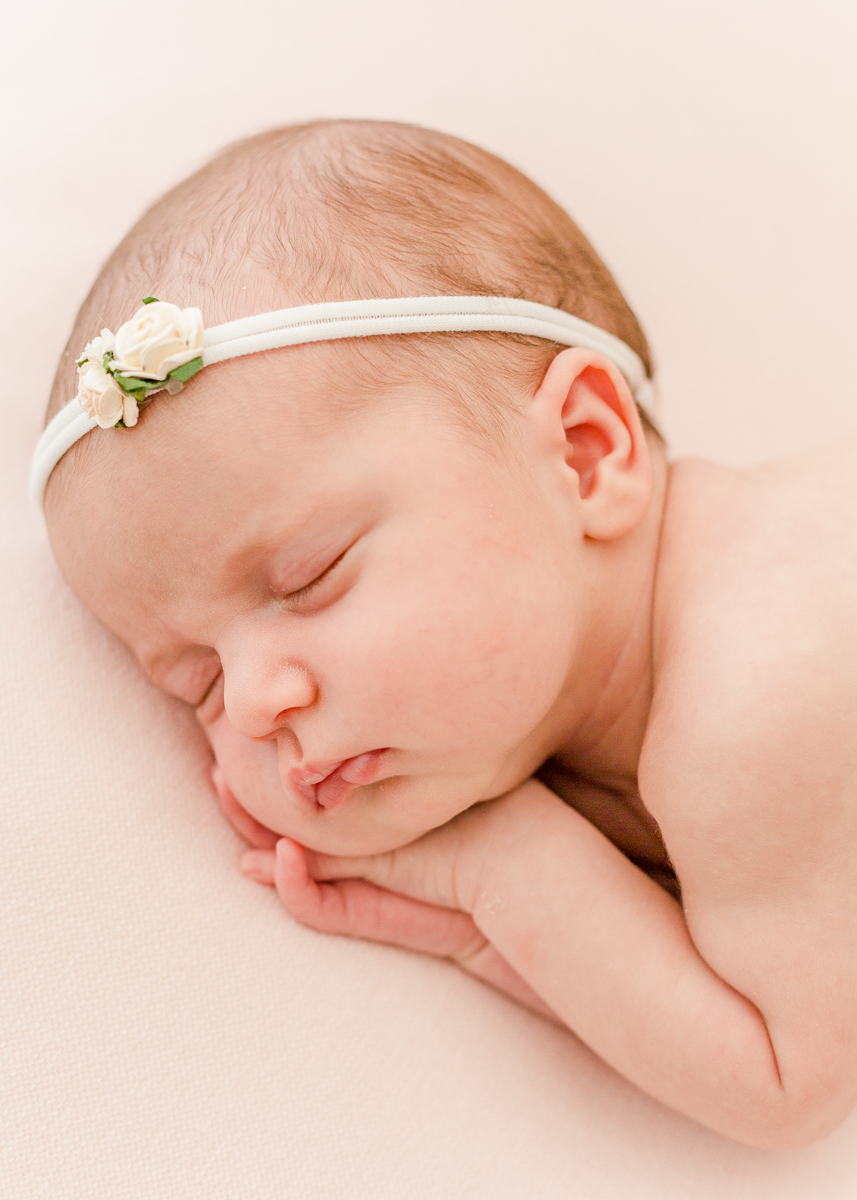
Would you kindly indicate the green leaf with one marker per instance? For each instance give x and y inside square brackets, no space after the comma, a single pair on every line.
[150,300]
[136,387]
[186,371]
[139,388]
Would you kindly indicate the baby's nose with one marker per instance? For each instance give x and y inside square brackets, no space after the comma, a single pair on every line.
[260,703]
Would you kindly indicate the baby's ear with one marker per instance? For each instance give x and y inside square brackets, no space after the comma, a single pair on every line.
[586,412]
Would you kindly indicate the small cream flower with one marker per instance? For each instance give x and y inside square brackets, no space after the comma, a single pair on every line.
[100,397]
[99,346]
[157,339]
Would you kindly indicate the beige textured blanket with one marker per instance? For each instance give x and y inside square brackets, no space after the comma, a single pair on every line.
[165,1030]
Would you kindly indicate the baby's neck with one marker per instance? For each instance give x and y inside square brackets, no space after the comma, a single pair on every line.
[607,718]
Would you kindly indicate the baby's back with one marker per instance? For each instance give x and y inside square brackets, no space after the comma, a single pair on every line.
[756,628]
[750,758]
[758,569]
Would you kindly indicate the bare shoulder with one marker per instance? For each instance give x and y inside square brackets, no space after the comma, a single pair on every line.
[751,754]
[831,468]
[750,759]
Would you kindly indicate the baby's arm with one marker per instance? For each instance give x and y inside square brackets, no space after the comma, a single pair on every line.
[604,947]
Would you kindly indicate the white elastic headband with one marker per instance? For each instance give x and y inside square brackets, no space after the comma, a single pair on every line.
[365,318]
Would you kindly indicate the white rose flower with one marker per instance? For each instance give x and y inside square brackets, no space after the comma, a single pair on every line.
[98,347]
[130,411]
[157,339]
[100,397]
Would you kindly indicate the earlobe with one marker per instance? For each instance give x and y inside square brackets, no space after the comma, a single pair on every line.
[605,452]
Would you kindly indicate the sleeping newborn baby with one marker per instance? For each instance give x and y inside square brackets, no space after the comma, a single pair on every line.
[368,481]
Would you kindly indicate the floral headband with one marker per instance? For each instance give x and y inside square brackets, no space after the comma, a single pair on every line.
[163,346]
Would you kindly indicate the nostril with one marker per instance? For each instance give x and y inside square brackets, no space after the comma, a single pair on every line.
[253,688]
[285,718]
[278,725]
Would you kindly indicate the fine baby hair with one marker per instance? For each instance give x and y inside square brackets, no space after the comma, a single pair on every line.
[345,230]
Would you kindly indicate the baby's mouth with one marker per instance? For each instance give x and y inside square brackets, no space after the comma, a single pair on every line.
[329,784]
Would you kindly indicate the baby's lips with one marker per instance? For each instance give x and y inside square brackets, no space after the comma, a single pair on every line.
[329,784]
[339,785]
[310,778]
[360,769]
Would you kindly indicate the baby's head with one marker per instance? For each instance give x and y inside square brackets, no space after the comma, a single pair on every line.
[393,572]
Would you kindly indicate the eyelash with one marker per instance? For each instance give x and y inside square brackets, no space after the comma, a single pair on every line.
[309,588]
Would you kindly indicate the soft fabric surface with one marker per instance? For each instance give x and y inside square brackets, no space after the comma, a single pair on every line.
[167,1031]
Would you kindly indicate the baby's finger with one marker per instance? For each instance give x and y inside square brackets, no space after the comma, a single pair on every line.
[238,817]
[259,865]
[359,909]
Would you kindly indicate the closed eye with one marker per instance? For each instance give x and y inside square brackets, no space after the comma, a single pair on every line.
[303,593]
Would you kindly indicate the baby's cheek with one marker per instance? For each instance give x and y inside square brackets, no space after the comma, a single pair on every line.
[251,772]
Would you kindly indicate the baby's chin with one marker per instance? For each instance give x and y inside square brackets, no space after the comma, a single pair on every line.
[373,819]
[370,819]
[356,818]
[347,842]
[358,845]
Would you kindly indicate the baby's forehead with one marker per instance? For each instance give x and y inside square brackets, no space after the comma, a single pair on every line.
[228,478]
[272,420]
[316,392]
[261,450]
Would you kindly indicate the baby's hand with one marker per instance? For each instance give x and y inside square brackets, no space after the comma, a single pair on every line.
[238,817]
[418,897]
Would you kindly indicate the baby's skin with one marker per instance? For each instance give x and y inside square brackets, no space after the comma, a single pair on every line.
[579,719]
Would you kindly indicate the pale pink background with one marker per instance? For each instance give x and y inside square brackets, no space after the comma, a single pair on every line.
[165,1030]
